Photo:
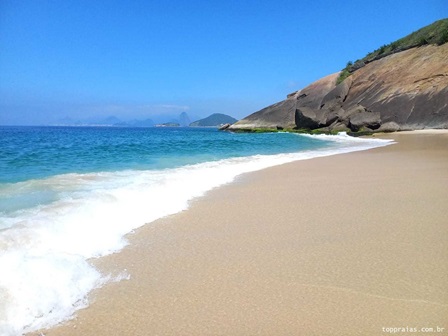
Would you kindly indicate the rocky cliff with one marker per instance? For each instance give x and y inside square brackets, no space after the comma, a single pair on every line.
[401,91]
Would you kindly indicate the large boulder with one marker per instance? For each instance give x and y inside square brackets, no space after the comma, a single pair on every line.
[313,95]
[283,114]
[371,120]
[306,117]
[279,115]
[390,126]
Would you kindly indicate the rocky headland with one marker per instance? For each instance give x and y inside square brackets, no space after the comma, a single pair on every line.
[401,86]
[214,120]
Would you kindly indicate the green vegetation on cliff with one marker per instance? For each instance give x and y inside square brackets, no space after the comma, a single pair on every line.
[435,33]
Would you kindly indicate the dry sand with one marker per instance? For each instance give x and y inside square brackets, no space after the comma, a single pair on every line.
[342,245]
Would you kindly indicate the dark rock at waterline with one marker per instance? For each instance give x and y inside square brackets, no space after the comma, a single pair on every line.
[224,127]
[372,120]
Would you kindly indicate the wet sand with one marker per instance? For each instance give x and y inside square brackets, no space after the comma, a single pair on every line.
[342,245]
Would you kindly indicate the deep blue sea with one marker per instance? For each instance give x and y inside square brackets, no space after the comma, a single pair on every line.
[69,194]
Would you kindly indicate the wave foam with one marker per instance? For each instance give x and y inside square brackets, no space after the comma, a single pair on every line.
[45,249]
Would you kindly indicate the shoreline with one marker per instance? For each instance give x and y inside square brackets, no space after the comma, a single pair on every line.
[353,243]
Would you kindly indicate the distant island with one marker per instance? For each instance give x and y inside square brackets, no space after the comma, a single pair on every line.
[400,86]
[111,121]
[214,120]
[183,120]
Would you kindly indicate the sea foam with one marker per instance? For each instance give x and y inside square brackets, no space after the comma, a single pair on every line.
[45,248]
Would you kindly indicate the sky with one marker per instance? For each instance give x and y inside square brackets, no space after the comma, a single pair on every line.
[155,59]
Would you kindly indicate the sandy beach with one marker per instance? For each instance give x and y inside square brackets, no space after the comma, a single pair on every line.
[351,244]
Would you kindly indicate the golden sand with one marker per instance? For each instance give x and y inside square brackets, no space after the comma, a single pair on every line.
[342,245]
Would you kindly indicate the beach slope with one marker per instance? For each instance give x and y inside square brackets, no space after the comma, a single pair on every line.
[351,244]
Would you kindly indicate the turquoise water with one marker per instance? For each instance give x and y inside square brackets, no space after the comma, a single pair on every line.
[39,152]
[70,194]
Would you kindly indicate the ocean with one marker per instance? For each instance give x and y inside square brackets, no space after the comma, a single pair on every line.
[70,194]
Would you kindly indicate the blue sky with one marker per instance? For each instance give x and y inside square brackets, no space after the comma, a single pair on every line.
[140,59]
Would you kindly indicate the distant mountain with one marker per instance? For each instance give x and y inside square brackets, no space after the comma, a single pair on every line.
[184,119]
[109,121]
[215,119]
